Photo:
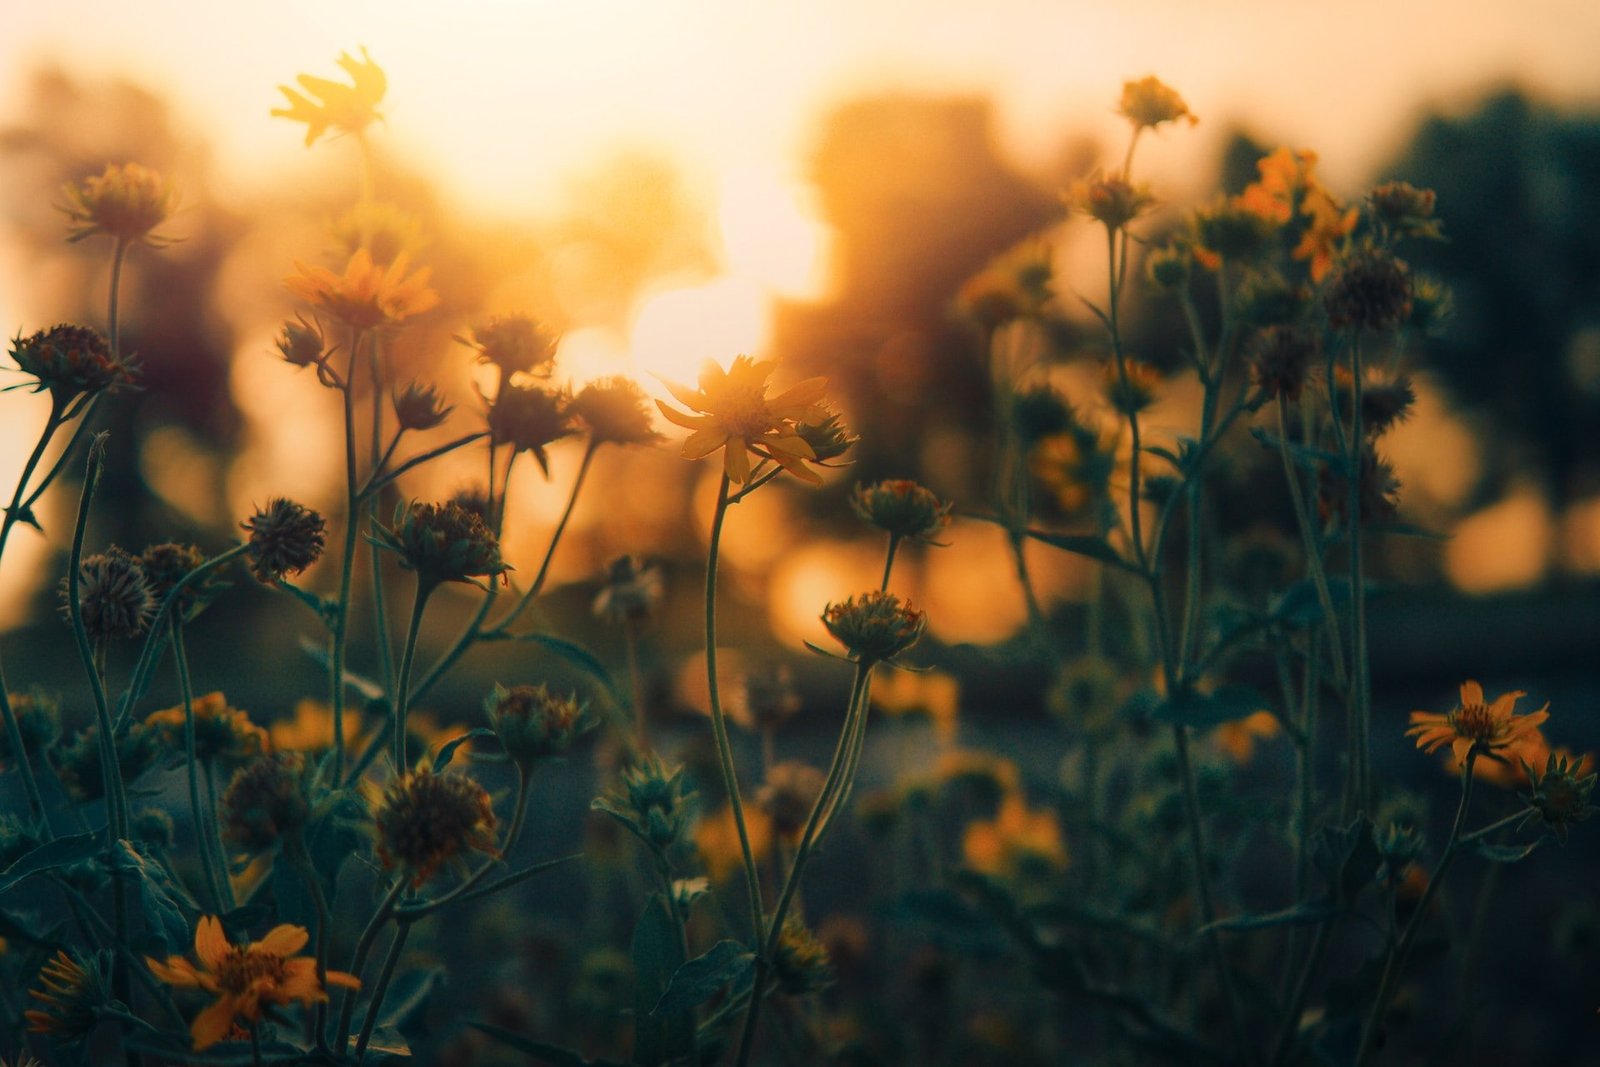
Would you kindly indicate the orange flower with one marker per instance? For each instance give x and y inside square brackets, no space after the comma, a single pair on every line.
[248,980]
[1475,724]
[737,416]
[1238,739]
[1151,102]
[365,295]
[347,108]
[717,839]
[1288,186]
[1330,224]
[311,729]
[1016,841]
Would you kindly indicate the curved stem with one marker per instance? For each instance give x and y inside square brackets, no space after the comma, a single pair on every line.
[390,960]
[192,765]
[358,962]
[214,835]
[555,539]
[412,912]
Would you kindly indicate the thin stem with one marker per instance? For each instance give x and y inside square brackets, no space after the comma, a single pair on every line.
[376,481]
[641,726]
[341,619]
[192,764]
[425,588]
[358,962]
[214,835]
[390,960]
[113,324]
[888,562]
[534,589]
[1360,699]
[380,610]
[1310,545]
[412,912]
[295,850]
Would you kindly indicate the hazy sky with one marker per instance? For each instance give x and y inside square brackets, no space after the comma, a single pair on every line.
[504,97]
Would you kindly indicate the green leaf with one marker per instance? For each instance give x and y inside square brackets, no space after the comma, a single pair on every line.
[448,751]
[1348,858]
[699,980]
[1302,914]
[579,657]
[539,1050]
[1095,548]
[166,927]
[657,956]
[62,852]
[1226,704]
[1504,853]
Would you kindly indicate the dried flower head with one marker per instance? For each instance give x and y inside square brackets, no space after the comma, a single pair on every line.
[425,820]
[652,800]
[1112,200]
[126,201]
[1370,290]
[222,734]
[67,1001]
[266,801]
[615,410]
[1560,794]
[800,962]
[1131,386]
[529,418]
[366,295]
[301,344]
[791,790]
[1378,490]
[1231,231]
[631,592]
[1149,102]
[734,413]
[1168,268]
[166,565]
[333,105]
[71,361]
[38,716]
[1386,399]
[1280,358]
[249,981]
[113,595]
[419,407]
[1474,724]
[534,724]
[1404,210]
[285,539]
[874,627]
[515,344]
[442,543]
[902,509]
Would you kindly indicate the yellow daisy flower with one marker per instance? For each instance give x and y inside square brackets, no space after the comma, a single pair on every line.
[366,295]
[1475,724]
[735,414]
[346,108]
[249,980]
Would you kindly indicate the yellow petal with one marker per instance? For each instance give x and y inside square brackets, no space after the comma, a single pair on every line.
[1471,693]
[210,943]
[213,1024]
[736,461]
[284,940]
[703,442]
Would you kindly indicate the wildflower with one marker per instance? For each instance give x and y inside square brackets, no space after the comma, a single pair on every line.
[1149,102]
[114,596]
[125,201]
[528,418]
[827,435]
[1014,285]
[614,410]
[365,295]
[266,801]
[533,723]
[1378,490]
[800,962]
[770,699]
[1231,231]
[71,361]
[310,729]
[717,840]
[1404,210]
[301,344]
[1238,738]
[442,543]
[1112,201]
[515,344]
[875,627]
[167,564]
[285,539]
[248,980]
[631,593]
[1280,358]
[986,777]
[1286,177]
[1018,841]
[1131,386]
[1086,693]
[1265,299]
[1561,793]
[1330,224]
[69,996]
[1431,305]
[425,820]
[386,231]
[1168,268]
[1385,399]
[1039,411]
[737,416]
[791,790]
[1474,725]
[419,407]
[934,695]
[1370,291]
[901,508]
[153,829]
[221,733]
[1073,468]
[652,800]
[78,760]
[38,716]
[332,105]
[1400,844]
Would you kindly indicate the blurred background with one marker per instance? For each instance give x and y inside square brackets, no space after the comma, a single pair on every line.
[666,183]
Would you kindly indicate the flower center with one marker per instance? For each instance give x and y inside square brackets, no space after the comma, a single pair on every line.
[745,413]
[241,969]
[1475,722]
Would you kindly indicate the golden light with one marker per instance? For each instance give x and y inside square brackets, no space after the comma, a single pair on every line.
[768,237]
[676,331]
[1505,546]
[806,580]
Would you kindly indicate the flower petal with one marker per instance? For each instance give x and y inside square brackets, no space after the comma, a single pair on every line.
[1471,693]
[210,943]
[213,1024]
[284,940]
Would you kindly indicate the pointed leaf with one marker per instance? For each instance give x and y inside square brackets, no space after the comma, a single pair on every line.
[1095,548]
[699,980]
[657,955]
[1305,913]
[448,751]
[579,657]
[62,852]
[1504,853]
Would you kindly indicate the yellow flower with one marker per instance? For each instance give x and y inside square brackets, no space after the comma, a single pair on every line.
[1474,724]
[220,732]
[717,840]
[1150,102]
[248,980]
[1288,186]
[1238,738]
[125,201]
[346,108]
[311,729]
[736,415]
[366,295]
[1016,841]
[1113,201]
[69,996]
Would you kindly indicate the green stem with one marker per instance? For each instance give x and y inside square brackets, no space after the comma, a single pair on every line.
[385,976]
[555,538]
[376,481]
[358,961]
[1310,545]
[192,765]
[341,621]
[1360,700]
[1401,951]
[214,835]
[294,848]
[888,562]
[412,912]
[113,323]
[425,588]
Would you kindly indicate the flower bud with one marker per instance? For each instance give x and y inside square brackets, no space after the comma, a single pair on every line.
[285,539]
[875,627]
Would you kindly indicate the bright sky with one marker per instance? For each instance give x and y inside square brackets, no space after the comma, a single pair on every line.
[503,97]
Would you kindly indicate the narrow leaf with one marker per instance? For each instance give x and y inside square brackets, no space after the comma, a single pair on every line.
[699,980]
